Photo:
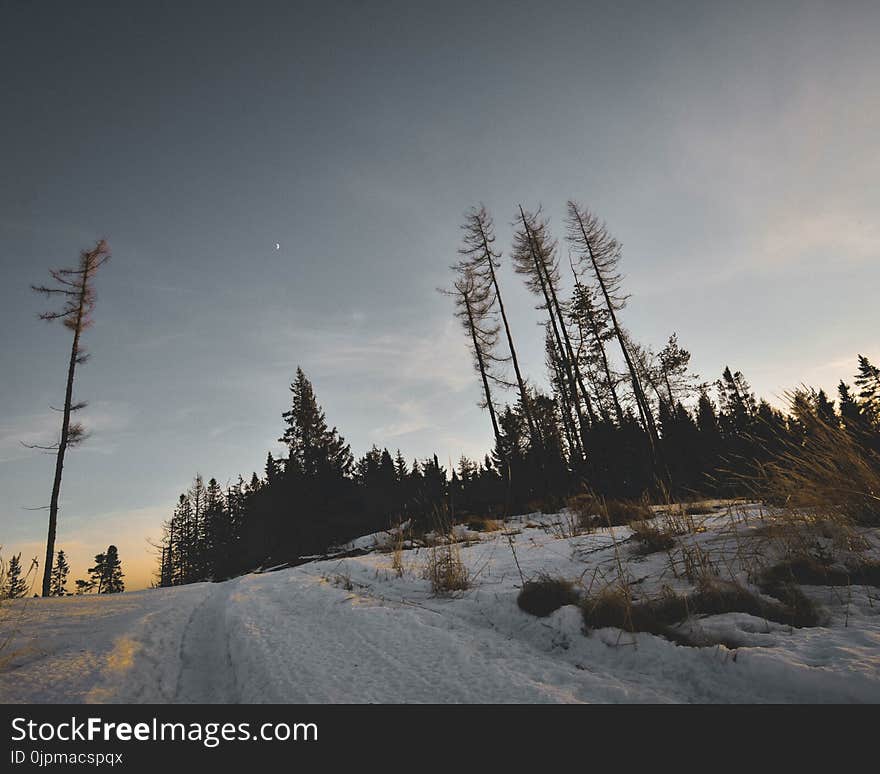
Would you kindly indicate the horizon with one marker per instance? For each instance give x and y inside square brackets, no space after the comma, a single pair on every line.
[743,190]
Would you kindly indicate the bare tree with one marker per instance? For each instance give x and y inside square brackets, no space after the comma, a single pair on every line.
[480,257]
[76,287]
[601,253]
[473,308]
[534,256]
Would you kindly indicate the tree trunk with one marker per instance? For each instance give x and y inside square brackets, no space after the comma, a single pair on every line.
[62,444]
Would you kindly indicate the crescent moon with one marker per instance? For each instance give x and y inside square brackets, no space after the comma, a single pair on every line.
[277,246]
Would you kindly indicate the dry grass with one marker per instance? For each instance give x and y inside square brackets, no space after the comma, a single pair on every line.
[12,617]
[444,568]
[615,607]
[592,511]
[651,537]
[826,472]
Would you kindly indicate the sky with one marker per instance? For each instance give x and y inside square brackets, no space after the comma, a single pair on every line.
[731,147]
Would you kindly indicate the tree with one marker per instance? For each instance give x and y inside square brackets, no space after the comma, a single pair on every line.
[868,382]
[482,260]
[315,450]
[534,256]
[16,585]
[76,287]
[600,252]
[59,575]
[473,305]
[594,331]
[107,573]
[84,586]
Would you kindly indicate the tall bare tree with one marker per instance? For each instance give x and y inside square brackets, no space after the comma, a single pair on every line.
[473,308]
[482,259]
[75,287]
[534,256]
[597,249]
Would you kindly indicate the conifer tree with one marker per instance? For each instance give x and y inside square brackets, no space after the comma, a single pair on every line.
[473,308]
[59,576]
[315,451]
[535,257]
[16,585]
[868,382]
[600,252]
[75,286]
[480,258]
[107,573]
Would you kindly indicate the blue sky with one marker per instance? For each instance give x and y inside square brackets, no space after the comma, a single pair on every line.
[730,147]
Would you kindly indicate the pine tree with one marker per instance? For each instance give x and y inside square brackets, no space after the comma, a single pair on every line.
[16,585]
[600,252]
[113,575]
[400,467]
[868,382]
[76,287]
[107,573]
[59,576]
[315,450]
[84,586]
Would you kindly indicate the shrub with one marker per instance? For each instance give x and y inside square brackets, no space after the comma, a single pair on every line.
[545,595]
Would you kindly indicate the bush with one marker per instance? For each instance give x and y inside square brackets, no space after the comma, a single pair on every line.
[545,595]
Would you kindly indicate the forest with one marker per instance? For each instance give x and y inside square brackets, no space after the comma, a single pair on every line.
[613,421]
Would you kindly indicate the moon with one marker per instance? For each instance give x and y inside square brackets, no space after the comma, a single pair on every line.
[277,245]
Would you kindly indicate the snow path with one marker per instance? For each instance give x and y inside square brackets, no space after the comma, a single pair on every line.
[207,671]
[356,631]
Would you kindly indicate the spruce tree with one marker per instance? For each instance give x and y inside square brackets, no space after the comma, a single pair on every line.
[59,576]
[315,451]
[107,573]
[16,585]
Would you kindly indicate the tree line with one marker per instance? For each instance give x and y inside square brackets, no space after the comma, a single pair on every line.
[615,418]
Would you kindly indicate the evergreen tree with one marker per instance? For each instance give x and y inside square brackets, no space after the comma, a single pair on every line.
[84,586]
[600,253]
[59,576]
[106,576]
[315,450]
[868,382]
[16,585]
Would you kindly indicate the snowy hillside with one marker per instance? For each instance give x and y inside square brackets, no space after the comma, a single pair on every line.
[369,629]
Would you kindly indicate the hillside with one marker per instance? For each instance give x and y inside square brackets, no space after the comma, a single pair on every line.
[369,628]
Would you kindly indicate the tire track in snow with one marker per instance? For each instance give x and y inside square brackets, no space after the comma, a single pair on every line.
[207,672]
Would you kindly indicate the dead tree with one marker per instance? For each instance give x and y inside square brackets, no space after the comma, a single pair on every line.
[76,287]
[482,260]
[534,256]
[597,249]
[592,325]
[473,308]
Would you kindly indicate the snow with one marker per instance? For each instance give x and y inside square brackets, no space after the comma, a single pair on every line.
[354,630]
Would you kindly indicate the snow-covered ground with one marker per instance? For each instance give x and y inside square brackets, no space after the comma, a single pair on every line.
[356,630]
